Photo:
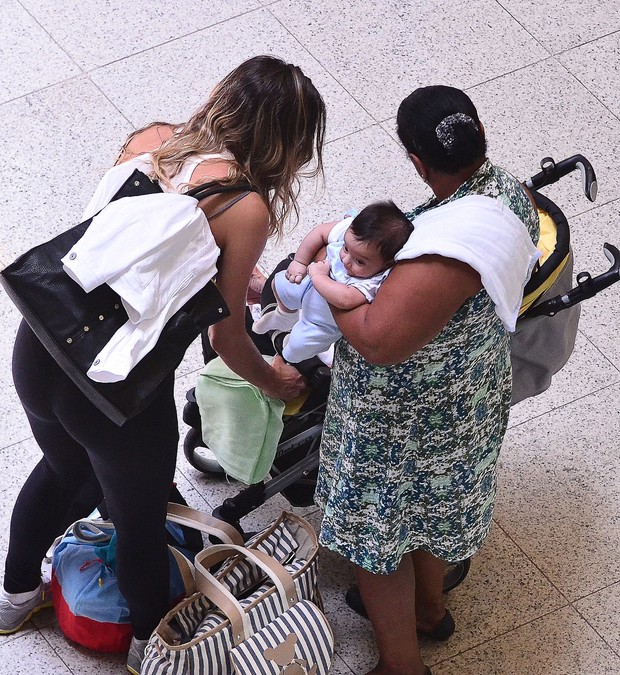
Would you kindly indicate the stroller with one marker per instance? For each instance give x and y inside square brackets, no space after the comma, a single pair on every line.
[540,347]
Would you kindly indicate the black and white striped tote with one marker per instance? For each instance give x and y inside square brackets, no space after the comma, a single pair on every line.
[299,637]
[198,636]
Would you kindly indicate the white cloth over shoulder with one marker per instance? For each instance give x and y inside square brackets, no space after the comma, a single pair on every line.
[156,251]
[488,236]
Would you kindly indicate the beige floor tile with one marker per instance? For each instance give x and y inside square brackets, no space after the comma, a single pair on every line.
[30,58]
[587,371]
[592,63]
[560,643]
[190,67]
[560,24]
[106,30]
[602,611]
[559,485]
[542,111]
[50,166]
[426,43]
[31,653]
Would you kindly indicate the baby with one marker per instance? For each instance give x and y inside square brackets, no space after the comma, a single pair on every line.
[360,253]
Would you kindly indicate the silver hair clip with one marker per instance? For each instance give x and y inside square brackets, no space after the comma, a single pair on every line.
[445,129]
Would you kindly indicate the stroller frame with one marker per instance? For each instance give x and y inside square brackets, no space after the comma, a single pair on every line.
[294,469]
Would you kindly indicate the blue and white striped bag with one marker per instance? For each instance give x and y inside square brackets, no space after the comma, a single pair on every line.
[259,613]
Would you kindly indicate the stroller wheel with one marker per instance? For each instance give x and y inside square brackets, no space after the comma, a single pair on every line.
[455,574]
[198,456]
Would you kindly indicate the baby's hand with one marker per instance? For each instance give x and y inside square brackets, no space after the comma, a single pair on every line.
[295,272]
[317,268]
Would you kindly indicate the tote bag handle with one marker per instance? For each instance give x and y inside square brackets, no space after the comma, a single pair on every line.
[213,590]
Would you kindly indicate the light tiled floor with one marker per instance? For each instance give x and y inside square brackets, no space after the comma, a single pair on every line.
[543,595]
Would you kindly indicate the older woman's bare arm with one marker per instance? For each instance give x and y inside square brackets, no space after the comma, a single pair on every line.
[412,306]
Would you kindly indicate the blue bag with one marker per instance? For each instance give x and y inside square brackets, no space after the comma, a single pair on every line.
[89,605]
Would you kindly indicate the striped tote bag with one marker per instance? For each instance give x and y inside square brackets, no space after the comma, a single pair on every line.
[299,641]
[260,612]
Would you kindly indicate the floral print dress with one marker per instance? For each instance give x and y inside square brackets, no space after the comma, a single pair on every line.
[409,451]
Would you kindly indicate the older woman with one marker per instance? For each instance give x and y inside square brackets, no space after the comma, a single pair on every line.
[421,383]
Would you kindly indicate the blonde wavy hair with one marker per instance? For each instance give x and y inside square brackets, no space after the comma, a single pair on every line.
[269,116]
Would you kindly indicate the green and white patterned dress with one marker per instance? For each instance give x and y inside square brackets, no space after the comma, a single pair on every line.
[409,451]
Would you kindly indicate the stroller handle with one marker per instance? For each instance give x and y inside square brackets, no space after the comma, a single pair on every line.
[587,287]
[552,172]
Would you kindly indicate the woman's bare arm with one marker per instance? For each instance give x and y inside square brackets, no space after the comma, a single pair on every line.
[146,140]
[336,293]
[312,244]
[411,308]
[241,233]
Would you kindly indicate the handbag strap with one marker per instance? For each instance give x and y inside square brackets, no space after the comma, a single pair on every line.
[213,188]
[90,531]
[199,520]
[213,590]
[186,569]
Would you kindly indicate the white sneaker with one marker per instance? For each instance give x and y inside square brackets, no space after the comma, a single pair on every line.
[14,615]
[275,319]
[136,655]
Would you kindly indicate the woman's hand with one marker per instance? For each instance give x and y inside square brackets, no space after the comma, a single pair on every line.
[290,382]
[296,272]
[318,268]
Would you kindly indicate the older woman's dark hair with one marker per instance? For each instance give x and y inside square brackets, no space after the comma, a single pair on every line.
[440,125]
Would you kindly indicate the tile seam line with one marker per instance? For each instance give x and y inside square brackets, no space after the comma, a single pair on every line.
[357,131]
[88,71]
[508,72]
[533,563]
[613,649]
[57,653]
[50,36]
[524,28]
[592,206]
[567,603]
[45,88]
[320,63]
[563,405]
[16,443]
[85,77]
[587,42]
[598,590]
[111,102]
[594,95]
[519,627]
[605,357]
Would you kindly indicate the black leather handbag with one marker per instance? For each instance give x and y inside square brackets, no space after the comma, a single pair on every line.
[74,325]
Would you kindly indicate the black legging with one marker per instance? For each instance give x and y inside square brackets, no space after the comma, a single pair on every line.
[82,450]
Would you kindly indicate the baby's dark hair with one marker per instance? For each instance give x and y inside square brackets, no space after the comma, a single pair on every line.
[440,125]
[384,225]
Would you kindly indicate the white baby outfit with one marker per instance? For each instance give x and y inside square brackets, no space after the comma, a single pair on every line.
[316,330]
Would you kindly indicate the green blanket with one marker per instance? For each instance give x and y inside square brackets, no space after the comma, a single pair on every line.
[240,424]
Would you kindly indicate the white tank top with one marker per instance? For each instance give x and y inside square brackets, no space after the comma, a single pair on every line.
[183,178]
[118,174]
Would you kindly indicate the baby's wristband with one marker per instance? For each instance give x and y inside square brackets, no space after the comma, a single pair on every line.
[300,263]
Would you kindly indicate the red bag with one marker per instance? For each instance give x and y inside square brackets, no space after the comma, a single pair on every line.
[89,605]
